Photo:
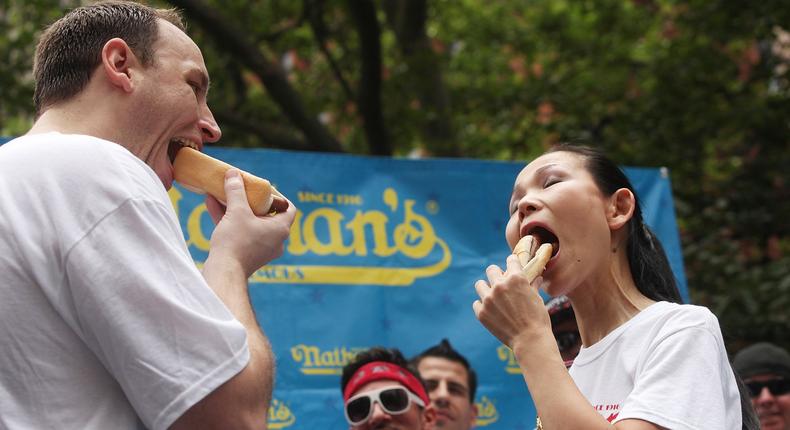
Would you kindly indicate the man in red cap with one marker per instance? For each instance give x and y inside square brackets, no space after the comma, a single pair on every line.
[382,391]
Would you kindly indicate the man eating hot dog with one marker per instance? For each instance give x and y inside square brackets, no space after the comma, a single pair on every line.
[100,293]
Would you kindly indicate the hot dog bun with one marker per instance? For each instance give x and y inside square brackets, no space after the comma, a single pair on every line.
[203,174]
[532,260]
[525,249]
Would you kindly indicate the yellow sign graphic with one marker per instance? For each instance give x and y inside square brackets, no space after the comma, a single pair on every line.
[486,412]
[321,232]
[506,354]
[313,361]
[280,416]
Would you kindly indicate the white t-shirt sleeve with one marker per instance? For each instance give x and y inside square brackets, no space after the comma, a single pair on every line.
[681,376]
[146,312]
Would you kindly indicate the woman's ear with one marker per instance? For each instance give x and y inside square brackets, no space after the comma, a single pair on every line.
[117,62]
[621,208]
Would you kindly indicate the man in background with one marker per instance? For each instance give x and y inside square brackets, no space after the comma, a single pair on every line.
[765,370]
[564,328]
[451,386]
[381,390]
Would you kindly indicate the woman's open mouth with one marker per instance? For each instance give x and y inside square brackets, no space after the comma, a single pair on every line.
[544,235]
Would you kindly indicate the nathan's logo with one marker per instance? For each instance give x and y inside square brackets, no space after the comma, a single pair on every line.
[511,365]
[280,416]
[360,241]
[486,412]
[314,361]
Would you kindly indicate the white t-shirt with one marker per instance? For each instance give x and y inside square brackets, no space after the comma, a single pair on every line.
[105,322]
[667,365]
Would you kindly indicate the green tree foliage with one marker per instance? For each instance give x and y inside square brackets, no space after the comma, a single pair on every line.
[702,87]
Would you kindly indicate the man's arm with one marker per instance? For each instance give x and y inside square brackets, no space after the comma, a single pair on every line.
[240,244]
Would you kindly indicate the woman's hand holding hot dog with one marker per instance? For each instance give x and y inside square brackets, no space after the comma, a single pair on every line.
[510,307]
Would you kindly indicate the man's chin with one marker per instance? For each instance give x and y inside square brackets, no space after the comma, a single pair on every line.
[443,421]
[772,423]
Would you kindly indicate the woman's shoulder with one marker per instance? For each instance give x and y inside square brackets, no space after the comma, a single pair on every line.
[675,317]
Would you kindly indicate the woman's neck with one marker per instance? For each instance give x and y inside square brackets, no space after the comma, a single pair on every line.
[607,302]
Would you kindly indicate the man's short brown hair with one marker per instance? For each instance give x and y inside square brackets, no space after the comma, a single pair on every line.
[70,49]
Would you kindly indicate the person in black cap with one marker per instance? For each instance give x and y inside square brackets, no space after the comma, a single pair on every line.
[765,369]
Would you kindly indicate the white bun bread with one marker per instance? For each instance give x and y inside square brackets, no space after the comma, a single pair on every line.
[525,249]
[532,260]
[202,174]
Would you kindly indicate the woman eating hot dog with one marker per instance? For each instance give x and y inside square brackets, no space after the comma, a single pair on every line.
[647,361]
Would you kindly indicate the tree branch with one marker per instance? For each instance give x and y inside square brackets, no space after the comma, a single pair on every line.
[269,134]
[314,9]
[369,96]
[234,41]
[408,19]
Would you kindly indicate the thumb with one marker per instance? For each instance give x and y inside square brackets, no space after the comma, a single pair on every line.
[235,197]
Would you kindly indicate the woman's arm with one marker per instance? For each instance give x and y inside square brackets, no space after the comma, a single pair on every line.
[513,311]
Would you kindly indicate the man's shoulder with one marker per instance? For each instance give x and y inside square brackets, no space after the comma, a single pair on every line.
[67,163]
[57,146]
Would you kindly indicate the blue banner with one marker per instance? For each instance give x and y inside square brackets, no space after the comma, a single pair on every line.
[386,252]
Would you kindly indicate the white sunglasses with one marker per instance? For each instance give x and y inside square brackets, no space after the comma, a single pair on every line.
[394,400]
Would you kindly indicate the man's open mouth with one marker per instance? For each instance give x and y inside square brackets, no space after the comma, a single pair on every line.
[176,144]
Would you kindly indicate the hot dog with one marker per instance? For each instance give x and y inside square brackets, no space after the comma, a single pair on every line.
[533,259]
[203,174]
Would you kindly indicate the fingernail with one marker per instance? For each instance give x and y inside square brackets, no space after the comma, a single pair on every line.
[232,175]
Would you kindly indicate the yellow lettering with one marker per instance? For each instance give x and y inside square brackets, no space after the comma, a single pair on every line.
[378,222]
[414,242]
[329,358]
[310,197]
[304,354]
[333,219]
[345,199]
[175,198]
[296,244]
[194,230]
[486,412]
[280,416]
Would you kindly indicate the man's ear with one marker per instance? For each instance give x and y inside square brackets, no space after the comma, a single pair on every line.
[117,62]
[621,208]
[429,417]
[473,418]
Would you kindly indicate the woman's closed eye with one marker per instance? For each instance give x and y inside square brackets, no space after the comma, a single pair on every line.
[551,180]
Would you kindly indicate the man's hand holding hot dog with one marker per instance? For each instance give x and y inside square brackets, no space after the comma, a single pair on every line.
[240,236]
[240,244]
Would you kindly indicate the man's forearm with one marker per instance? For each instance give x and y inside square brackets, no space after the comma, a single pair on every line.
[229,282]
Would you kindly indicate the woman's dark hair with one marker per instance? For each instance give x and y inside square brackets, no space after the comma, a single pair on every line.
[648,262]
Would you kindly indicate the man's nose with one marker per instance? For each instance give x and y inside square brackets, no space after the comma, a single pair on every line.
[440,394]
[209,127]
[765,396]
[378,415]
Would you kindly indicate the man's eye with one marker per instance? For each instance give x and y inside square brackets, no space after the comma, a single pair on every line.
[458,390]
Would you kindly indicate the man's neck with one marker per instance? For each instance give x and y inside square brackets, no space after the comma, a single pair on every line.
[71,119]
